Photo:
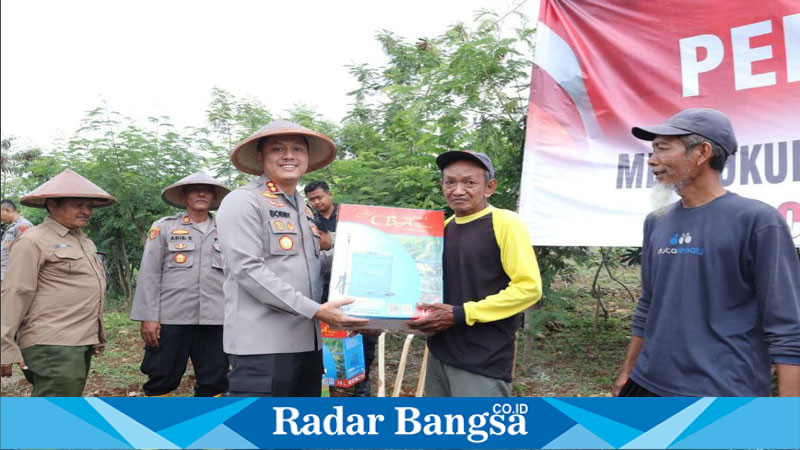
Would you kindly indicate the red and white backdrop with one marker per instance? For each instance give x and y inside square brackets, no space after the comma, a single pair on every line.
[601,67]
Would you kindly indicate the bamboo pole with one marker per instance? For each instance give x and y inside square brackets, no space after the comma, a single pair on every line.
[423,372]
[401,368]
[382,365]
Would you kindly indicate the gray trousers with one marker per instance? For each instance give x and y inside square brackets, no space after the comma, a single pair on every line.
[444,380]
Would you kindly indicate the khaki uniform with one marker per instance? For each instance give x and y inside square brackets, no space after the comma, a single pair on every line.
[180,278]
[53,291]
[273,271]
[13,231]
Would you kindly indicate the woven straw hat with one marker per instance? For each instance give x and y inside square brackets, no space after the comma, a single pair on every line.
[321,149]
[67,184]
[172,193]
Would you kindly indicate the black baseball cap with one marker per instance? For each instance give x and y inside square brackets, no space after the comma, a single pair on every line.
[481,159]
[707,122]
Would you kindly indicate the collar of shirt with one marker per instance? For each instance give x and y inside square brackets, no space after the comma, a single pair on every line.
[61,230]
[273,188]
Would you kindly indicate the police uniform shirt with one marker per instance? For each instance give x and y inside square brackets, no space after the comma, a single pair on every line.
[180,278]
[53,291]
[13,231]
[273,269]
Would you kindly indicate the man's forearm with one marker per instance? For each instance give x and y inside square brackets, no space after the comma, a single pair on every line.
[633,354]
[788,380]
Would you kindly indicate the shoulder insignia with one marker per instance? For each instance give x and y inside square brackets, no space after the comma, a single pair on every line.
[180,231]
[22,228]
[268,195]
[309,213]
[272,187]
[276,203]
[279,225]
[286,242]
[179,258]
[153,233]
[290,225]
[186,220]
[314,229]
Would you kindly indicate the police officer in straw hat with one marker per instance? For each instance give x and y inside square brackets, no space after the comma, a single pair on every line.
[273,265]
[52,308]
[179,292]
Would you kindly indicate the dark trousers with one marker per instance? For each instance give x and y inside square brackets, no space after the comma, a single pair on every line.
[632,389]
[57,370]
[166,364]
[276,375]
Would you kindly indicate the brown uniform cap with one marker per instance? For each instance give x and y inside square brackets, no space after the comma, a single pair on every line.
[172,193]
[321,149]
[67,184]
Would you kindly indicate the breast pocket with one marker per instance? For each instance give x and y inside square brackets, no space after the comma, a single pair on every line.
[216,261]
[284,239]
[180,255]
[66,260]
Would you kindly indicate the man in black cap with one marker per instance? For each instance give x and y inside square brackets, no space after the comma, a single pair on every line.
[720,279]
[490,276]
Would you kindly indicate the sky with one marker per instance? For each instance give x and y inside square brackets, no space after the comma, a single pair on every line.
[151,58]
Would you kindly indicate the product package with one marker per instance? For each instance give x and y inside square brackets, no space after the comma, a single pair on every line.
[388,260]
[342,357]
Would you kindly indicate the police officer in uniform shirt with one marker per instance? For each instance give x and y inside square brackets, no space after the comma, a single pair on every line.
[52,308]
[179,292]
[273,267]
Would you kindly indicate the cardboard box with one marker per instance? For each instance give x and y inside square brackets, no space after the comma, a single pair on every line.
[388,260]
[343,358]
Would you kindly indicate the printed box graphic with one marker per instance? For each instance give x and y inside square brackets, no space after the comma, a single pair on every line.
[342,356]
[388,260]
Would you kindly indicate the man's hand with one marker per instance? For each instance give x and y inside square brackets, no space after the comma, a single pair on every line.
[435,317]
[98,350]
[6,368]
[151,333]
[616,388]
[325,240]
[331,314]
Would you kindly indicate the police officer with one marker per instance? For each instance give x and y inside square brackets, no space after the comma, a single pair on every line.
[17,225]
[52,308]
[179,292]
[273,266]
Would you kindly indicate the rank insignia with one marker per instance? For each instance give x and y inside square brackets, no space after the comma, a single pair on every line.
[22,228]
[180,258]
[186,220]
[309,213]
[272,187]
[180,246]
[180,231]
[268,195]
[290,226]
[276,203]
[286,242]
[153,233]
[314,229]
[279,225]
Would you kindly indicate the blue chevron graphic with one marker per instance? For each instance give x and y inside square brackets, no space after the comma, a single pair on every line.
[187,432]
[720,408]
[22,420]
[137,434]
[578,437]
[663,434]
[80,408]
[222,437]
[613,432]
[762,423]
[619,410]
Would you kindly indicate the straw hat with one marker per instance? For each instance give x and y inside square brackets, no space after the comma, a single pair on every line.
[172,193]
[67,184]
[321,149]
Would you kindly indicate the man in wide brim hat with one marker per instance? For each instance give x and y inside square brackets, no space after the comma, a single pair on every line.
[321,148]
[68,184]
[179,299]
[53,291]
[175,193]
[274,256]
